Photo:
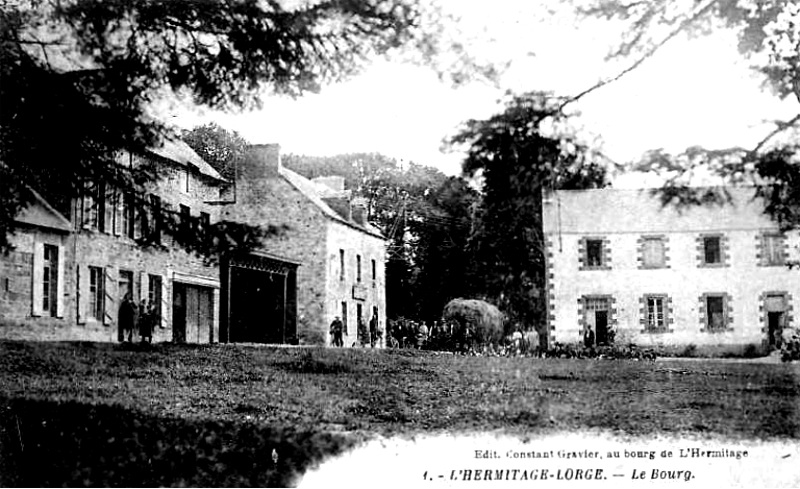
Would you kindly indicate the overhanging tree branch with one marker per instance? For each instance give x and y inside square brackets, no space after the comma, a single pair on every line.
[647,55]
[781,126]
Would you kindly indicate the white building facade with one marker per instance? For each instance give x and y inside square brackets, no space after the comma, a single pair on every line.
[634,271]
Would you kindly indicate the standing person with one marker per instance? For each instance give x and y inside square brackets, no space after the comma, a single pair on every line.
[373,330]
[146,313]
[363,333]
[422,335]
[126,317]
[588,338]
[336,332]
[516,341]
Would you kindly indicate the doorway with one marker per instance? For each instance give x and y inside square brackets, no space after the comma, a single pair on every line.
[192,313]
[596,316]
[775,308]
[257,306]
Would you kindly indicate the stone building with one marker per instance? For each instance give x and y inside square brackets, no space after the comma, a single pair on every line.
[631,270]
[68,274]
[329,261]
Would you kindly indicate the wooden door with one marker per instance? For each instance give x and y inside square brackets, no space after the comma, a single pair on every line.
[198,315]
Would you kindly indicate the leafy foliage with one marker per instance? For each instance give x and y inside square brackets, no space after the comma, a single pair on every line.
[104,62]
[769,37]
[774,173]
[764,28]
[520,154]
[218,146]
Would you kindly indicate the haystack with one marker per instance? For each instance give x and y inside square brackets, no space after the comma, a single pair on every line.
[483,320]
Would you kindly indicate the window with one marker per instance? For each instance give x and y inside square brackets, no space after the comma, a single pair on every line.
[358,268]
[594,253]
[773,249]
[715,313]
[154,294]
[127,215]
[656,317]
[93,206]
[374,271]
[653,253]
[155,209]
[125,284]
[96,293]
[50,280]
[186,176]
[344,316]
[712,252]
[341,267]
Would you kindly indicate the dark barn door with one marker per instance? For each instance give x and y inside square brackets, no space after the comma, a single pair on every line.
[261,304]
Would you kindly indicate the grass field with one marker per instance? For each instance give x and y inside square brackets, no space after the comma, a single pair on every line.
[103,414]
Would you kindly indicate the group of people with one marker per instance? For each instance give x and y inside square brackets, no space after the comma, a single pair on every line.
[141,318]
[413,334]
[365,335]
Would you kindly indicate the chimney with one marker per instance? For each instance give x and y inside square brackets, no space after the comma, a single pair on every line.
[359,214]
[358,208]
[260,163]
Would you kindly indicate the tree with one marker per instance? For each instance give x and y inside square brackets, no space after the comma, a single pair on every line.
[443,261]
[767,32]
[770,39]
[78,76]
[519,154]
[218,146]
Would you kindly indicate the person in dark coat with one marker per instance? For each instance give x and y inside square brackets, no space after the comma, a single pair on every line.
[373,330]
[336,332]
[363,333]
[127,317]
[146,322]
[588,338]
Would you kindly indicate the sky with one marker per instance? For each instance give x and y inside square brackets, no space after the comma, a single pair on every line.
[693,92]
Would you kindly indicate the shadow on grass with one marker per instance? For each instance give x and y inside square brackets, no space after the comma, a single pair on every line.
[52,443]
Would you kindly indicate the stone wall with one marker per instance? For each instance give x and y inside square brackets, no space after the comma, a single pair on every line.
[264,197]
[346,287]
[683,280]
[112,252]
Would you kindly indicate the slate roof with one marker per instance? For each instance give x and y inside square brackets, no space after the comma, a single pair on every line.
[640,210]
[315,192]
[181,153]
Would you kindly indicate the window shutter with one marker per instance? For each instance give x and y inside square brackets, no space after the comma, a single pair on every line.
[118,206]
[139,213]
[144,287]
[60,283]
[166,305]
[38,279]
[82,286]
[110,291]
